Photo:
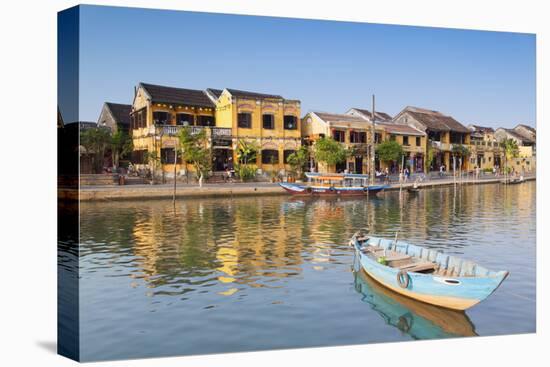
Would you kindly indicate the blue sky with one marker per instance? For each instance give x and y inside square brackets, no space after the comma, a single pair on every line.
[487,78]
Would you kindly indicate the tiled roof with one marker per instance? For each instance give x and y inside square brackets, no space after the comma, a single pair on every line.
[120,112]
[399,129]
[246,94]
[516,134]
[215,92]
[481,129]
[336,117]
[191,97]
[531,129]
[382,116]
[435,120]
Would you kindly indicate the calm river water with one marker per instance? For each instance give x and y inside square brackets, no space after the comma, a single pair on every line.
[243,274]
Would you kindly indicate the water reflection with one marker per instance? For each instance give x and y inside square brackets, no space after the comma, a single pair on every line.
[417,319]
[150,271]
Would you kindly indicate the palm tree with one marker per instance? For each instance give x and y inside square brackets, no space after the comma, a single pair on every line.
[247,152]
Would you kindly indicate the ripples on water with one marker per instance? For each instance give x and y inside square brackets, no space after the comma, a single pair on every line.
[223,275]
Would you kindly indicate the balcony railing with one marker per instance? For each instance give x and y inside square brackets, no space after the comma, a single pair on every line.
[439,145]
[489,145]
[173,130]
[221,132]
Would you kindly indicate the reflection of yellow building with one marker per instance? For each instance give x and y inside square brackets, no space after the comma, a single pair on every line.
[270,121]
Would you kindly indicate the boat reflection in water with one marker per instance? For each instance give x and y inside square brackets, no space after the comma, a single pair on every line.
[419,320]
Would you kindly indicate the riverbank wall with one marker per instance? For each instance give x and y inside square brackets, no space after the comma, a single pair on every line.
[145,192]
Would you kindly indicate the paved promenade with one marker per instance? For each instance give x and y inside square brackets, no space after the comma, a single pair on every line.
[165,191]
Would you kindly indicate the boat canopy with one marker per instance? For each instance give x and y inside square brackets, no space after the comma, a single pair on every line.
[334,176]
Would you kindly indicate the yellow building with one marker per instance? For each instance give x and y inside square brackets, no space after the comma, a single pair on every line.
[159,112]
[526,139]
[270,122]
[443,132]
[485,151]
[412,140]
[354,132]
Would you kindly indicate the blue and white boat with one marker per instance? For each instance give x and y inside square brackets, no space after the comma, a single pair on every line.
[425,274]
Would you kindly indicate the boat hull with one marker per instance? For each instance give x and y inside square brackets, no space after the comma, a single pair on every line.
[303,190]
[453,292]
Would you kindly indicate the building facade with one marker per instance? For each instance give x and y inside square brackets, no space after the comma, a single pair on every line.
[269,122]
[526,139]
[355,133]
[157,115]
[444,135]
[485,151]
[115,116]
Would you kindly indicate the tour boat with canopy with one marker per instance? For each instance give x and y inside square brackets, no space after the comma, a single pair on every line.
[343,184]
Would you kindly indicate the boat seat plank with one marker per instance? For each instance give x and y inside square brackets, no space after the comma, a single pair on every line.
[420,266]
[397,257]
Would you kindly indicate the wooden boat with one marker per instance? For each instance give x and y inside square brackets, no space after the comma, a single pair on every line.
[424,274]
[512,181]
[418,319]
[333,184]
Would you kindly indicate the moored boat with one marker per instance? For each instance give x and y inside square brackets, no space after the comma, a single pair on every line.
[333,184]
[425,274]
[513,181]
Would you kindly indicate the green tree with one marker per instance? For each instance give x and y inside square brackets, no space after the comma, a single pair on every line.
[195,150]
[247,151]
[153,161]
[298,160]
[460,151]
[429,159]
[389,151]
[96,141]
[121,145]
[329,151]
[511,150]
